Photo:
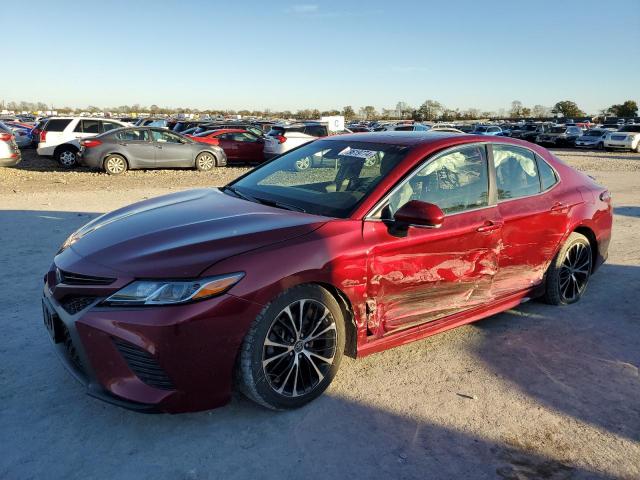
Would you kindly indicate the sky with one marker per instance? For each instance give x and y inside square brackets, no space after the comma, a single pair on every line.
[323,54]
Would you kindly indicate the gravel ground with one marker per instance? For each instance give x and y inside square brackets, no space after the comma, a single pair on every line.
[536,392]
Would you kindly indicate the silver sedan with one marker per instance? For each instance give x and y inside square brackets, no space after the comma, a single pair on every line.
[140,147]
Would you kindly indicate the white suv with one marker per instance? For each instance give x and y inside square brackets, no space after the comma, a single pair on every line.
[60,137]
[281,139]
[627,137]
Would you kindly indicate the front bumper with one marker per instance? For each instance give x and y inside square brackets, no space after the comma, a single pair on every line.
[622,144]
[158,359]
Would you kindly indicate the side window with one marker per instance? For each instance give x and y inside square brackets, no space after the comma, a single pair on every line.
[516,172]
[548,176]
[56,125]
[456,181]
[244,137]
[133,136]
[89,126]
[165,137]
[106,126]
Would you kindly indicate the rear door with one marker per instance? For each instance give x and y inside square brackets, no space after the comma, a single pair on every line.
[534,217]
[138,148]
[249,147]
[228,143]
[171,150]
[87,128]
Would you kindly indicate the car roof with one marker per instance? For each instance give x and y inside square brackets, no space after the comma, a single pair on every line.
[406,138]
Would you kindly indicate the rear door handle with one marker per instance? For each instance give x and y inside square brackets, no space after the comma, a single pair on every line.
[489,226]
[558,206]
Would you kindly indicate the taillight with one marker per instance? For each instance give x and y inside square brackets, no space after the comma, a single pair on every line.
[43,136]
[90,143]
[281,138]
[5,137]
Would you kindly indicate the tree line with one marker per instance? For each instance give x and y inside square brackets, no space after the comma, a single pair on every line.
[430,110]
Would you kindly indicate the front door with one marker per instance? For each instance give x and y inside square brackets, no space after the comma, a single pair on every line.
[171,150]
[428,274]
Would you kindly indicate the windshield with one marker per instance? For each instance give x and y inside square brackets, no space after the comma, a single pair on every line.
[630,128]
[481,129]
[325,177]
[557,130]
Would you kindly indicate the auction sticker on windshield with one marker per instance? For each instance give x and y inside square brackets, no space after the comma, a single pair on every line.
[357,152]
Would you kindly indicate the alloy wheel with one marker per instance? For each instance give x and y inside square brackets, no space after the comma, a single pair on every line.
[303,163]
[115,165]
[299,348]
[574,272]
[68,158]
[205,161]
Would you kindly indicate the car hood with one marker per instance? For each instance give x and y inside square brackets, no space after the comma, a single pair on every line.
[180,235]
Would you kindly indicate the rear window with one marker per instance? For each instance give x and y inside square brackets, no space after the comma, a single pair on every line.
[630,128]
[276,131]
[316,130]
[57,125]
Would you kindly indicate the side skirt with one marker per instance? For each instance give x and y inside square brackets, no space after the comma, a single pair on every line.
[426,330]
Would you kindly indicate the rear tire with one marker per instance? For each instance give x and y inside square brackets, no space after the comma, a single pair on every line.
[205,161]
[67,157]
[293,349]
[569,272]
[115,164]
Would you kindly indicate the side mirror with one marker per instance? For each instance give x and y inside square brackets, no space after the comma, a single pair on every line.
[421,214]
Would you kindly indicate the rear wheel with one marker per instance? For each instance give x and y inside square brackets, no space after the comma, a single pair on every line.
[293,349]
[205,161]
[67,157]
[569,272]
[115,164]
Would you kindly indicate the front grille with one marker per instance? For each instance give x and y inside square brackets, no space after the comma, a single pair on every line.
[144,365]
[70,349]
[73,304]
[69,278]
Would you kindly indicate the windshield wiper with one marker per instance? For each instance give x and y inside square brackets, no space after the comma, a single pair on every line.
[270,203]
[285,206]
[238,193]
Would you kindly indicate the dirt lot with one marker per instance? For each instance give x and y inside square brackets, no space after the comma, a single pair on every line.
[536,392]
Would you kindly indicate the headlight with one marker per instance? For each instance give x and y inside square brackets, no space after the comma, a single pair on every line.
[169,292]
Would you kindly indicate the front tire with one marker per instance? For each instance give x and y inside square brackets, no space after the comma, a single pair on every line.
[67,157]
[293,349]
[569,272]
[302,164]
[205,161]
[115,164]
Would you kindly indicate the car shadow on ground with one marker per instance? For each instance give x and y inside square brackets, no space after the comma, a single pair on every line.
[627,211]
[573,360]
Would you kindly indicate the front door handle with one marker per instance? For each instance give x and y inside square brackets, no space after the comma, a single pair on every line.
[489,226]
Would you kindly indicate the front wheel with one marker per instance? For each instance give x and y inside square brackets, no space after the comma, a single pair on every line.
[302,164]
[600,146]
[293,349]
[569,272]
[205,161]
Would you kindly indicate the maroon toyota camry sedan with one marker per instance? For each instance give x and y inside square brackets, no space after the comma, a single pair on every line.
[267,282]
